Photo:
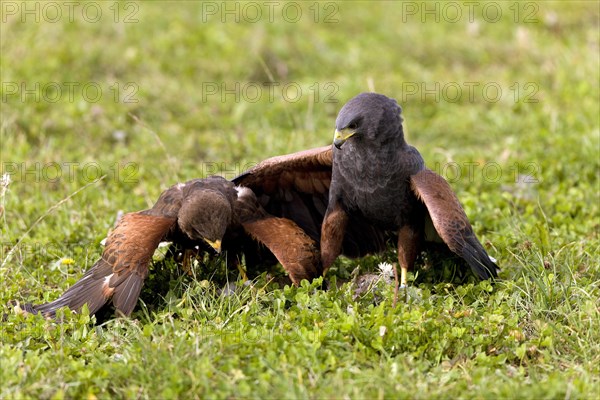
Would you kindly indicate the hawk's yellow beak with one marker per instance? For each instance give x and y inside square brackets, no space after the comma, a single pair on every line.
[216,245]
[340,137]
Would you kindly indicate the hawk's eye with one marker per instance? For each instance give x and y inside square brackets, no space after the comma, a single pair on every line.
[353,126]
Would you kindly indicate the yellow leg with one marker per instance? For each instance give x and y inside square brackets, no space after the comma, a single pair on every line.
[242,272]
[404,282]
[408,241]
[403,277]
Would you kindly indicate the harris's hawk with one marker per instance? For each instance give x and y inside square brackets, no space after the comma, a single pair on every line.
[377,175]
[276,207]
[347,200]
[211,211]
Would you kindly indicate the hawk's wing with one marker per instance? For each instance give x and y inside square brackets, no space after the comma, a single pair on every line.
[451,222]
[296,187]
[294,249]
[121,271]
[297,252]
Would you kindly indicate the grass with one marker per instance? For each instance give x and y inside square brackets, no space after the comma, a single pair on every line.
[526,169]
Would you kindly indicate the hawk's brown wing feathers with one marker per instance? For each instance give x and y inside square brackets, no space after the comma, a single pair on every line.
[121,270]
[451,222]
[296,251]
[293,186]
[296,187]
[307,171]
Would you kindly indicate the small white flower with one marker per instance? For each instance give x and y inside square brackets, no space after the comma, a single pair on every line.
[386,269]
[473,28]
[382,330]
[551,19]
[119,135]
[4,182]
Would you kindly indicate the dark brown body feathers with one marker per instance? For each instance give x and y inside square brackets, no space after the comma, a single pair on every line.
[201,209]
[345,201]
[378,176]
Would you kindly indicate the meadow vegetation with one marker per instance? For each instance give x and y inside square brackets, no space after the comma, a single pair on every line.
[505,108]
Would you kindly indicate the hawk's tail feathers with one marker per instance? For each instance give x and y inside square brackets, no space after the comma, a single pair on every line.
[96,287]
[480,262]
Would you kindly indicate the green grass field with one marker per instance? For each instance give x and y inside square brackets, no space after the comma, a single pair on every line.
[106,104]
